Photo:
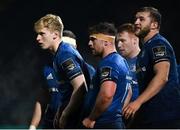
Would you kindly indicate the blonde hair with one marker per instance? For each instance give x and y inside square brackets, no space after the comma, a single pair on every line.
[51,22]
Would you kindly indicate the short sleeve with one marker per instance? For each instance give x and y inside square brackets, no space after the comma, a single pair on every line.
[159,52]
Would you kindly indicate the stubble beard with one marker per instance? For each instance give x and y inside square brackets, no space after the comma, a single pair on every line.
[142,33]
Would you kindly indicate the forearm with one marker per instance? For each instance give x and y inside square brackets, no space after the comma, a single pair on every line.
[128,98]
[75,100]
[104,99]
[152,89]
[36,115]
[101,105]
[161,71]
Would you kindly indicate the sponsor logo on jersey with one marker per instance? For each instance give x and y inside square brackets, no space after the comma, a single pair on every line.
[105,72]
[68,65]
[159,51]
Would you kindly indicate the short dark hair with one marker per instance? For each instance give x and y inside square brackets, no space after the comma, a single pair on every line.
[103,27]
[128,27]
[69,33]
[154,14]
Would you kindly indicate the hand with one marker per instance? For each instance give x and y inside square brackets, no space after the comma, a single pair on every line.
[88,123]
[32,127]
[130,109]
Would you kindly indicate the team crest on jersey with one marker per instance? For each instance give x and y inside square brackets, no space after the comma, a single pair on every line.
[105,72]
[68,65]
[159,51]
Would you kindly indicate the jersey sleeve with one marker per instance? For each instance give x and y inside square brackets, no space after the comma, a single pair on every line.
[71,66]
[108,72]
[159,52]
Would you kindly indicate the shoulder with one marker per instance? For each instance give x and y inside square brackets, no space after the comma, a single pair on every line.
[66,52]
[114,62]
[159,40]
[158,45]
[113,58]
[66,48]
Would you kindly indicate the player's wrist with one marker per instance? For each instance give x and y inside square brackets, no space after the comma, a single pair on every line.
[91,118]
[32,127]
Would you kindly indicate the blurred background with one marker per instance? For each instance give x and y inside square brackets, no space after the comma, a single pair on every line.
[21,60]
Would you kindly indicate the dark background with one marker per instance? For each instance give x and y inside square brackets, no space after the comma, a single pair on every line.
[21,60]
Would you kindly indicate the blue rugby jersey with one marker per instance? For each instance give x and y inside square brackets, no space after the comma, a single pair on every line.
[134,84]
[68,64]
[111,68]
[166,104]
[55,96]
[178,69]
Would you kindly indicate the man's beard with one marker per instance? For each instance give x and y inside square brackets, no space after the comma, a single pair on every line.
[143,33]
[96,54]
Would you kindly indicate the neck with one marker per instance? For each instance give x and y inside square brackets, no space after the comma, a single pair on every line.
[55,46]
[108,51]
[150,35]
[134,53]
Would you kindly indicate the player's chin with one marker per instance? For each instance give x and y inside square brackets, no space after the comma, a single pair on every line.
[44,47]
[138,31]
[94,52]
[123,53]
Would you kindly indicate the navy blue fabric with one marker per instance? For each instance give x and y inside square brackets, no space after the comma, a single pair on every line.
[134,82]
[165,105]
[55,97]
[111,68]
[68,64]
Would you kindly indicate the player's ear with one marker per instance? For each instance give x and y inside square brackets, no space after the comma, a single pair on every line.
[106,43]
[55,34]
[136,40]
[154,25]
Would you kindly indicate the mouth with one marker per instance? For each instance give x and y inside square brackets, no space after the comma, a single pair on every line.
[137,28]
[41,45]
[121,51]
[91,49]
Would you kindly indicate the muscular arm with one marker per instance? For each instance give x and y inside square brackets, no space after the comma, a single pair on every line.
[128,98]
[36,115]
[104,99]
[161,71]
[79,89]
[42,100]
